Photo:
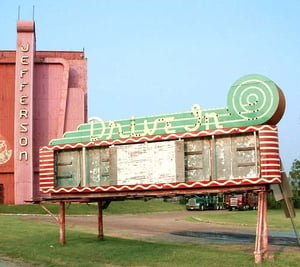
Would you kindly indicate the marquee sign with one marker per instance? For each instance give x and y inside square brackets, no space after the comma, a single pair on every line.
[202,148]
[252,100]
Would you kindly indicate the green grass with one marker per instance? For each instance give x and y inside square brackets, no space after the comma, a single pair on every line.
[115,207]
[37,244]
[276,219]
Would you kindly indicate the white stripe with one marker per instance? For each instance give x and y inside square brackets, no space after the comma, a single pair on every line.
[42,166]
[46,154]
[269,159]
[270,153]
[268,142]
[47,173]
[46,183]
[270,164]
[270,170]
[272,131]
[46,177]
[271,176]
[45,160]
[46,169]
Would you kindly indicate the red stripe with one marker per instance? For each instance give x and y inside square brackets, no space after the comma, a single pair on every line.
[269,150]
[46,179]
[48,155]
[268,134]
[47,176]
[266,168]
[270,161]
[275,173]
[267,145]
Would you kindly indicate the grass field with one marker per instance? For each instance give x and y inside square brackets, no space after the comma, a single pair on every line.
[116,207]
[37,243]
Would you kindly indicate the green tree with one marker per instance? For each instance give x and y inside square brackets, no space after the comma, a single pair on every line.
[295,175]
[295,182]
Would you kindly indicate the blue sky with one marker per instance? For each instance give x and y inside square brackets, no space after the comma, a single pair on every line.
[161,56]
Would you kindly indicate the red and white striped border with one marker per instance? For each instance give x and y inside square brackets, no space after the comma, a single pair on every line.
[268,147]
[269,153]
[167,186]
[46,169]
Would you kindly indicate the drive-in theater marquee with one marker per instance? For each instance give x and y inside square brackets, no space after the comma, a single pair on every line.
[201,151]
[233,145]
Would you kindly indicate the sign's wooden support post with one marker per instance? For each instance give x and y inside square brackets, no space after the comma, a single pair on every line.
[100,221]
[261,244]
[62,223]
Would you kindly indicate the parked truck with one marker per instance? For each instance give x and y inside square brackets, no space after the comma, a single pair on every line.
[206,202]
[241,201]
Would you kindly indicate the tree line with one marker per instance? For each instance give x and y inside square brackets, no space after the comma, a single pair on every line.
[294,177]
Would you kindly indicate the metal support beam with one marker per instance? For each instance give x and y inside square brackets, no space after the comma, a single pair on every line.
[62,223]
[100,221]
